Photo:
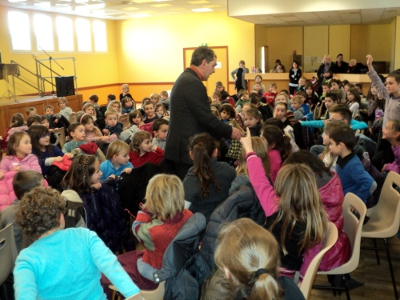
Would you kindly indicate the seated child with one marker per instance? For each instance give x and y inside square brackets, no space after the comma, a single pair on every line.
[327,157]
[89,109]
[17,125]
[64,109]
[243,99]
[252,120]
[55,120]
[325,90]
[155,99]
[258,80]
[265,109]
[302,84]
[349,167]
[280,112]
[125,92]
[135,120]
[92,133]
[30,111]
[271,94]
[34,120]
[127,105]
[257,88]
[50,268]
[23,182]
[77,133]
[112,124]
[19,155]
[45,123]
[160,130]
[143,151]
[42,149]
[216,97]
[304,105]
[161,111]
[117,160]
[164,100]
[391,133]
[219,87]
[149,110]
[297,108]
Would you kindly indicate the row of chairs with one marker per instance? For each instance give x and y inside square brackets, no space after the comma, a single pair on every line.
[383,224]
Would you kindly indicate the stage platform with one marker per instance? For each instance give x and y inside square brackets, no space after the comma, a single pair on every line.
[8,107]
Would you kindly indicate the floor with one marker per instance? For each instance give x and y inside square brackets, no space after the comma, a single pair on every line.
[376,278]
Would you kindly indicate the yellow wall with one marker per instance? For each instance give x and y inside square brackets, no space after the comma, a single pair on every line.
[372,39]
[261,40]
[397,45]
[339,35]
[316,39]
[152,48]
[91,69]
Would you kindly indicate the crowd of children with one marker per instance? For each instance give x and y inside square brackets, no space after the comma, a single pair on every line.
[291,185]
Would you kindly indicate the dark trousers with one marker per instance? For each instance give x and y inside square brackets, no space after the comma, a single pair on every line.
[174,167]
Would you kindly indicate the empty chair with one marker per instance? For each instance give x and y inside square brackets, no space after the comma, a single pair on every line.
[352,226]
[329,240]
[384,220]
[8,255]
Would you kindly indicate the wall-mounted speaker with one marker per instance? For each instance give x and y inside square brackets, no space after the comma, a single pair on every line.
[65,86]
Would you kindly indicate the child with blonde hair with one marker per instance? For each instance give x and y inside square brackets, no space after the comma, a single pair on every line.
[293,207]
[64,109]
[117,160]
[242,174]
[251,270]
[298,110]
[271,94]
[116,106]
[89,109]
[113,127]
[142,150]
[125,92]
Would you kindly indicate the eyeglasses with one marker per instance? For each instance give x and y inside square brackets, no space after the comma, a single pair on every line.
[45,135]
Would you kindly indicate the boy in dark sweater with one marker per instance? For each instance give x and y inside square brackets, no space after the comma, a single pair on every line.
[349,167]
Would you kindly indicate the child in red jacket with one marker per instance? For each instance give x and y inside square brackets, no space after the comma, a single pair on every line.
[142,150]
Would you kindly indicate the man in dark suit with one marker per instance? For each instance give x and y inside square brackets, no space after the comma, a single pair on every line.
[190,112]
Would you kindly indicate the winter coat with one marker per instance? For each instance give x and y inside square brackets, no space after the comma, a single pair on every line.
[105,216]
[332,200]
[177,256]
[7,195]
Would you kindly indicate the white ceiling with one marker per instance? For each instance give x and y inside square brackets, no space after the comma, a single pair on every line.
[359,16]
[118,9]
[128,9]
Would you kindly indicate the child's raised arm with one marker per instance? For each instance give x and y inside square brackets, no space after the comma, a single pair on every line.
[261,184]
[376,82]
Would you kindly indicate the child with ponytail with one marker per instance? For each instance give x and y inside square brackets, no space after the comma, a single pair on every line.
[251,270]
[279,147]
[207,183]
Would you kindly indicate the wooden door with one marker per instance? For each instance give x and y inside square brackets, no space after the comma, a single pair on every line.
[221,70]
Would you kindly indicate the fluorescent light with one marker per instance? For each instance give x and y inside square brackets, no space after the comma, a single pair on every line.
[90,7]
[205,9]
[43,4]
[140,15]
[15,1]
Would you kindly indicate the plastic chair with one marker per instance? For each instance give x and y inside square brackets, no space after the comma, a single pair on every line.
[329,240]
[72,118]
[384,220]
[8,255]
[352,227]
[60,133]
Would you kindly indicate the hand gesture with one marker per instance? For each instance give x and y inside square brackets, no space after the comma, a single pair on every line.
[246,142]
[127,170]
[105,131]
[69,155]
[236,134]
[58,158]
[369,60]
[96,186]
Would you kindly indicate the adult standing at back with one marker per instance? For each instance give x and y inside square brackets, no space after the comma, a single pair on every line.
[190,112]
[294,76]
[325,72]
[340,65]
[238,76]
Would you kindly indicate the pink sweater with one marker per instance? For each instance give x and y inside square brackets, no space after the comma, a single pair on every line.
[275,161]
[29,162]
[264,190]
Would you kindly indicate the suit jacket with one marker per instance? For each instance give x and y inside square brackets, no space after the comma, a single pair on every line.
[190,114]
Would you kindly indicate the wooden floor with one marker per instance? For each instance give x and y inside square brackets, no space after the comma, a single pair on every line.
[376,278]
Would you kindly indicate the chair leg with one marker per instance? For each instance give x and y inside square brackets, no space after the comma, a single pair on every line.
[391,269]
[346,288]
[376,252]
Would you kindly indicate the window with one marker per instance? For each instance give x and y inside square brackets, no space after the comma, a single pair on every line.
[83,35]
[100,36]
[65,34]
[43,26]
[18,23]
